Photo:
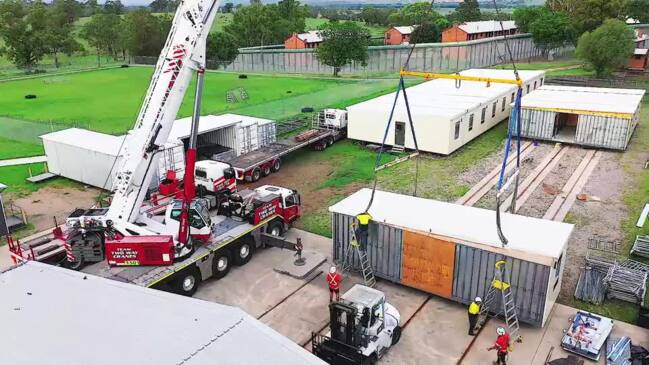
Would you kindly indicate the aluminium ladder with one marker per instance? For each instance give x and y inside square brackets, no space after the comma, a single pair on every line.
[501,284]
[348,259]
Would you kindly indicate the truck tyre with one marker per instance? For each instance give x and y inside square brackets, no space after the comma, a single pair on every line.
[243,253]
[275,228]
[256,174]
[266,170]
[277,164]
[221,264]
[330,141]
[396,335]
[372,359]
[75,265]
[187,281]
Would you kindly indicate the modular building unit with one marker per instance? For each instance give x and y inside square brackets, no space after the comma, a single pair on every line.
[446,115]
[49,313]
[92,158]
[450,250]
[588,116]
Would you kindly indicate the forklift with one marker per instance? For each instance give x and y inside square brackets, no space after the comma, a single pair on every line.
[363,327]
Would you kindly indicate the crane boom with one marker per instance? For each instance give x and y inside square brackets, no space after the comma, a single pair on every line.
[183,53]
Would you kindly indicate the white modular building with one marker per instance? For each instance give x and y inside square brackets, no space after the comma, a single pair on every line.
[588,116]
[446,115]
[52,315]
[92,157]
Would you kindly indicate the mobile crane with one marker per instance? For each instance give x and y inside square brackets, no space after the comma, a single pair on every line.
[125,234]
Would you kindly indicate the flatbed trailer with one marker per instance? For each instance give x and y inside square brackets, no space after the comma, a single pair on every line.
[259,163]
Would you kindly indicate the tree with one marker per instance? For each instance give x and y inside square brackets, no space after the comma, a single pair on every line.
[59,37]
[427,32]
[222,48]
[563,6]
[551,30]
[376,16]
[103,32]
[639,10]
[467,11]
[526,16]
[227,8]
[607,47]
[258,24]
[90,7]
[23,30]
[590,14]
[414,14]
[113,7]
[145,33]
[492,15]
[343,42]
[163,6]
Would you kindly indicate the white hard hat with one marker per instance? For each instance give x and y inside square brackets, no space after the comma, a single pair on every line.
[332,269]
[500,331]
[478,299]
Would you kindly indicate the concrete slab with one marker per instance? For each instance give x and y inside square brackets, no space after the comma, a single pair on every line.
[538,341]
[5,258]
[436,335]
[312,261]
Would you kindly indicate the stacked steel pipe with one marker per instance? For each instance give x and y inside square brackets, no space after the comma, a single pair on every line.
[605,276]
[641,246]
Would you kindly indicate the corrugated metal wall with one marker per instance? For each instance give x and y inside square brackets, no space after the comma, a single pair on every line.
[474,269]
[267,133]
[226,137]
[472,273]
[384,250]
[537,123]
[248,138]
[606,132]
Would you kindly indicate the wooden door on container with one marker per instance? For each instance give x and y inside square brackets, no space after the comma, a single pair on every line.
[427,264]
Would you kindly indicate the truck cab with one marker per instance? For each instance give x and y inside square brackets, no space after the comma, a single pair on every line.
[333,119]
[214,177]
[290,203]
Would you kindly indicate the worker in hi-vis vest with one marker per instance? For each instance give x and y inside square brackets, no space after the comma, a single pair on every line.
[362,232]
[474,310]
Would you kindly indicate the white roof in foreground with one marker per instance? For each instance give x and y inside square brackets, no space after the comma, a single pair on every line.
[88,140]
[585,99]
[182,127]
[51,315]
[530,239]
[487,26]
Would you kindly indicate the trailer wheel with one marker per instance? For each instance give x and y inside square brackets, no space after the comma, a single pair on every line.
[396,335]
[277,164]
[256,174]
[221,264]
[330,141]
[373,359]
[75,265]
[243,253]
[188,281]
[275,228]
[267,170]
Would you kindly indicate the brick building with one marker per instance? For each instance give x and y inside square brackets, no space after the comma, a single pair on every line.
[478,30]
[639,60]
[310,39]
[398,35]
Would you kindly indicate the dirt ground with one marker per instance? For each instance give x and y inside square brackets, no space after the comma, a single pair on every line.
[44,204]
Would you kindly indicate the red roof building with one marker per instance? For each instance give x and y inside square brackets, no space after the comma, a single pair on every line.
[310,39]
[478,30]
[398,35]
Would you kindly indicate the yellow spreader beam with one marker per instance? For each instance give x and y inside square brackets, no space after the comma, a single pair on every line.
[488,80]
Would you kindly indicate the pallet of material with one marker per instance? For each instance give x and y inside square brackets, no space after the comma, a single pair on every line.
[641,246]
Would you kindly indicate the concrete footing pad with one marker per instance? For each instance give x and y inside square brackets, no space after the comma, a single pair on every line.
[312,261]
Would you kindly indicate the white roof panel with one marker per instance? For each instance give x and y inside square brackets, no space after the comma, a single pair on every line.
[441,97]
[640,51]
[600,100]
[530,239]
[487,26]
[48,313]
[312,36]
[405,29]
[85,139]
[182,127]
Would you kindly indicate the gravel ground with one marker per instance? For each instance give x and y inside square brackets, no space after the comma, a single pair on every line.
[476,173]
[602,220]
[544,195]
[528,164]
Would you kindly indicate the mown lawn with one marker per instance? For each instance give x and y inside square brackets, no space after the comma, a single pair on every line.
[11,149]
[109,100]
[15,178]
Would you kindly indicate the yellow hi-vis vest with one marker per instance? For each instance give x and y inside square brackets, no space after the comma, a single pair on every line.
[474,308]
[364,219]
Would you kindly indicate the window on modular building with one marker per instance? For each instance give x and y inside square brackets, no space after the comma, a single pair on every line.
[534,85]
[493,109]
[528,89]
[541,81]
[471,122]
[504,103]
[513,97]
[484,114]
[457,129]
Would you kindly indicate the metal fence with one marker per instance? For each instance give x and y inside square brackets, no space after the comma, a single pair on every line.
[434,57]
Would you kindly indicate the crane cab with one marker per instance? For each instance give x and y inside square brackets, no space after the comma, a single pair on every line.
[200,222]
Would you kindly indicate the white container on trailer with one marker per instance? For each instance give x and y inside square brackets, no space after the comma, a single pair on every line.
[450,250]
[446,114]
